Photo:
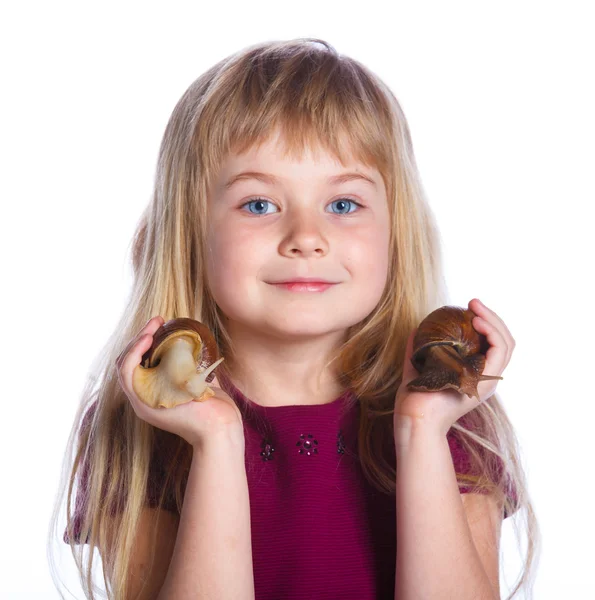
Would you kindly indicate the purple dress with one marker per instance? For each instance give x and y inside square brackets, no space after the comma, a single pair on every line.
[319,528]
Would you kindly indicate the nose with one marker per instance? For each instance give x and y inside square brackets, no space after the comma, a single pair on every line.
[305,236]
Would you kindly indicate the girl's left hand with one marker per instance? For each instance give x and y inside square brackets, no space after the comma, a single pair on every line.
[442,409]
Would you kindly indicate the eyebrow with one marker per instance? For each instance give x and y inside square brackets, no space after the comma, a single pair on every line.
[272,180]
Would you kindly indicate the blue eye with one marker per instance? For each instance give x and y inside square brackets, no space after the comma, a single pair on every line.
[261,202]
[258,201]
[346,202]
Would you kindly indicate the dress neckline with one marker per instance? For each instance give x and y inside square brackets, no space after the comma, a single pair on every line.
[319,409]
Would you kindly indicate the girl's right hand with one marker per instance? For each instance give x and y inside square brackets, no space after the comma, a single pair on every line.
[196,422]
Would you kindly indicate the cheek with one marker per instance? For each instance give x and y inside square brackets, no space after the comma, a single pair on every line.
[367,255]
[221,245]
[218,259]
[230,260]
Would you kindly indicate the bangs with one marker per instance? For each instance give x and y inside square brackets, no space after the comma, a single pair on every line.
[310,96]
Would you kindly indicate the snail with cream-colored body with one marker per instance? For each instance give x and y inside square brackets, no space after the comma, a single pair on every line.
[178,366]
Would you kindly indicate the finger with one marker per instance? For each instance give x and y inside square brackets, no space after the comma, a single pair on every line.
[498,355]
[132,360]
[489,315]
[150,327]
[153,324]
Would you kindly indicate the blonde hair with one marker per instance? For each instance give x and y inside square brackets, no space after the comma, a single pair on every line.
[314,95]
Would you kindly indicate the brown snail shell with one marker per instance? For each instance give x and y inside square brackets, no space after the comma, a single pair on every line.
[449,353]
[178,365]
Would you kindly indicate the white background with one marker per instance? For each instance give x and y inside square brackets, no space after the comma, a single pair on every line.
[500,102]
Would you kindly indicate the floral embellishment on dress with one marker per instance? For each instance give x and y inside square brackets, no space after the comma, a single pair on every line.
[307,446]
[267,449]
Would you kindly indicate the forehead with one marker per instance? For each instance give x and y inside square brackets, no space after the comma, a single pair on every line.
[275,153]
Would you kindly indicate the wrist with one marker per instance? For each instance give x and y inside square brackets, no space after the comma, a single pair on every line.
[228,440]
[408,430]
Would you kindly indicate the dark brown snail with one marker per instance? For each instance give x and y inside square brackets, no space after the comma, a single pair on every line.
[449,353]
[178,365]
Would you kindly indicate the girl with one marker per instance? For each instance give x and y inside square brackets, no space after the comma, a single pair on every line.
[313,472]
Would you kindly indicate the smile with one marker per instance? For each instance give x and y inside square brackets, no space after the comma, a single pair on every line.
[310,286]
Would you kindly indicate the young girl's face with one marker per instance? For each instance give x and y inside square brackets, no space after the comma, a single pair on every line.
[300,225]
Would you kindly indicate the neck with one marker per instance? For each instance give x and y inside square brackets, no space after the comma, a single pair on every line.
[276,373]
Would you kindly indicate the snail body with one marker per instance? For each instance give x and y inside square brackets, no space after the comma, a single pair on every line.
[449,353]
[178,365]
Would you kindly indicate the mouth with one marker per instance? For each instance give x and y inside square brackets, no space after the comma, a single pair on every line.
[304,286]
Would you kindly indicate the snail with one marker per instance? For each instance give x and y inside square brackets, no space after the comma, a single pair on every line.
[449,353]
[178,365]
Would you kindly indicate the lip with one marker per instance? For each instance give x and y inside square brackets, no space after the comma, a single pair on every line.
[304,280]
[304,286]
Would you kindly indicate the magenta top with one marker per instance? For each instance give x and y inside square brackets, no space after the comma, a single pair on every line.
[319,528]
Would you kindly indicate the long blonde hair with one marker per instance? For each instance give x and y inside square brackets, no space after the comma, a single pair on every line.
[315,96]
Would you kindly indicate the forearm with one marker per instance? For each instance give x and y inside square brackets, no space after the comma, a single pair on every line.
[212,558]
[436,556]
